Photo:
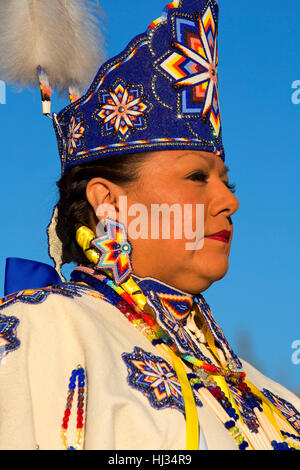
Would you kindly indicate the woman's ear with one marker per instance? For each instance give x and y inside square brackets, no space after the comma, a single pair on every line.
[97,192]
[103,196]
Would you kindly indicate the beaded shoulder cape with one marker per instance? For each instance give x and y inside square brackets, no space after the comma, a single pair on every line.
[184,326]
[193,335]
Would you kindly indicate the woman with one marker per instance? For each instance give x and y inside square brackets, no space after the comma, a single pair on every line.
[132,331]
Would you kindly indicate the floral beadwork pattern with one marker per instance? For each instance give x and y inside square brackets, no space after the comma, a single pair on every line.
[153,376]
[123,109]
[286,408]
[192,65]
[8,335]
[75,135]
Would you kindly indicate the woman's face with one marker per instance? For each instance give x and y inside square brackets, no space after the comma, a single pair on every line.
[182,178]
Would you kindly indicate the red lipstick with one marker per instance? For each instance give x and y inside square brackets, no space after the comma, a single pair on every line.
[222,236]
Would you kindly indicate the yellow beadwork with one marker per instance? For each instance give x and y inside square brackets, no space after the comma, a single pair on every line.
[63,436]
[291,444]
[84,236]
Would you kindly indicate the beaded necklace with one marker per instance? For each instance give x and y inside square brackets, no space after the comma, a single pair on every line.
[208,380]
[266,435]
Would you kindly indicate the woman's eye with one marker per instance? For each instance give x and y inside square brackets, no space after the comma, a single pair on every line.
[198,176]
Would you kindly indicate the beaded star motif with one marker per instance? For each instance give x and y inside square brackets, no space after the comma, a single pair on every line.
[123,109]
[153,376]
[192,65]
[115,250]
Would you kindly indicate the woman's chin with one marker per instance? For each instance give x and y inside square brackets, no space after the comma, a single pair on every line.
[216,268]
[219,271]
[196,281]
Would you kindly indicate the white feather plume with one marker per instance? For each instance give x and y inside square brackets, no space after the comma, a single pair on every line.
[64,37]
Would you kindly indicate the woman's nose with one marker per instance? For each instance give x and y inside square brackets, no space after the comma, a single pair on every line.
[224,200]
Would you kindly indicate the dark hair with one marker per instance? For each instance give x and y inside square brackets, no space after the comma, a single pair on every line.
[73,207]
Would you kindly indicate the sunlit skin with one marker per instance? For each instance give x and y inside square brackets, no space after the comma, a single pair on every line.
[177,177]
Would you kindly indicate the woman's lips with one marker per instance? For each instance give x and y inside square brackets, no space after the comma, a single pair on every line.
[222,236]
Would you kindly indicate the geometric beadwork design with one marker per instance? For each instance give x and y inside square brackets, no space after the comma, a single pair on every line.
[287,409]
[37,296]
[115,250]
[172,307]
[179,305]
[160,93]
[217,332]
[123,109]
[193,66]
[155,378]
[173,327]
[8,339]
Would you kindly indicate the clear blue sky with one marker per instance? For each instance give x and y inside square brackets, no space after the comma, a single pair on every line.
[259,61]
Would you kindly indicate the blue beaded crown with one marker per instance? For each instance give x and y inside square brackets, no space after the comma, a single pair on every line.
[160,93]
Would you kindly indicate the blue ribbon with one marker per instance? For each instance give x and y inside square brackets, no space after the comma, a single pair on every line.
[23,274]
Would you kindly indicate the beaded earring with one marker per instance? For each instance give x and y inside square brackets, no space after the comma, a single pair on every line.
[111,251]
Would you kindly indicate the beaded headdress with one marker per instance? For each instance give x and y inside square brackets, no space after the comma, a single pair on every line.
[160,93]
